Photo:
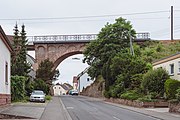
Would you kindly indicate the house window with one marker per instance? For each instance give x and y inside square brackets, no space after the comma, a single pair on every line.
[171,69]
[179,67]
[6,73]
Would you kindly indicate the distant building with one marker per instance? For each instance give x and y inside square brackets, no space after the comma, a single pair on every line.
[75,83]
[61,89]
[68,86]
[171,64]
[5,71]
[84,80]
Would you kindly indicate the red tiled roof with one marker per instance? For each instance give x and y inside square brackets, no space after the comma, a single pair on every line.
[68,85]
[5,39]
[168,58]
[11,38]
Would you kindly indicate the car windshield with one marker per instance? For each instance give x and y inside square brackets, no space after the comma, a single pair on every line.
[38,93]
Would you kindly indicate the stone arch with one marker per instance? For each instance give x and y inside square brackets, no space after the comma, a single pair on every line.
[51,52]
[51,49]
[64,56]
[56,52]
[71,48]
[41,50]
[82,47]
[62,49]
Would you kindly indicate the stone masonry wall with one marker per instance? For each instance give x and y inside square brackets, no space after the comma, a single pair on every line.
[174,107]
[5,99]
[95,90]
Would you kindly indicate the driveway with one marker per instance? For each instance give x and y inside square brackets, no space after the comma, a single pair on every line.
[30,109]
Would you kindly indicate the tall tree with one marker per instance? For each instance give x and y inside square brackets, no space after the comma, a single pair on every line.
[19,65]
[46,73]
[16,47]
[23,51]
[112,39]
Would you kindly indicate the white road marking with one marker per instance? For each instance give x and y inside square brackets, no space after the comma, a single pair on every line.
[116,118]
[69,107]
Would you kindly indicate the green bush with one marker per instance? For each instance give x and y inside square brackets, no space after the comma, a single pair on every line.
[153,95]
[26,99]
[18,88]
[116,90]
[148,98]
[154,80]
[178,94]
[29,86]
[130,95]
[48,97]
[171,86]
[136,81]
[107,94]
[41,85]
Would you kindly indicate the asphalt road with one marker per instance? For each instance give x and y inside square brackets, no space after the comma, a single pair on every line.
[81,108]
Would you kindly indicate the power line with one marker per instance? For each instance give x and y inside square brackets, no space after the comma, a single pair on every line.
[84,17]
[95,20]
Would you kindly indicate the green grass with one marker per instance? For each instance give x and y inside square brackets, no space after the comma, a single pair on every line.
[48,97]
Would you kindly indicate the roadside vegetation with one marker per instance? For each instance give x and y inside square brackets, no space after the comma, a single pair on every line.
[22,84]
[126,75]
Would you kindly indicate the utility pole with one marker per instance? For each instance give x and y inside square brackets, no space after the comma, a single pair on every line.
[172,23]
[131,45]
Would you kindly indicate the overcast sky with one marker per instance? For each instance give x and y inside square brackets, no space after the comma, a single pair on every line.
[75,17]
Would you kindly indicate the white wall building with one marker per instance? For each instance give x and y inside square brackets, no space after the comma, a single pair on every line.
[84,81]
[171,64]
[5,71]
[59,89]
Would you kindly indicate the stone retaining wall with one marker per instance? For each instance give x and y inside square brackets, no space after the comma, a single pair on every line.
[138,103]
[95,90]
[174,107]
[5,99]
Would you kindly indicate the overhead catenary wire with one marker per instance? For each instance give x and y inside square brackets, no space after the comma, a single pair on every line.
[165,31]
[83,17]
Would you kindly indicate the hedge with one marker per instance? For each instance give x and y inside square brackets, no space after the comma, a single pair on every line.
[154,80]
[171,86]
[18,88]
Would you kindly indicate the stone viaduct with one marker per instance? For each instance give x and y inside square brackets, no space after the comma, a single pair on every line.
[57,52]
[59,47]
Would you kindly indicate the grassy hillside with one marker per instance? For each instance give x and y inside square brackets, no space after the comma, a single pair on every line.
[154,50]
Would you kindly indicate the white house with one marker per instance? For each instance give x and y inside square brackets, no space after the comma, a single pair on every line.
[60,89]
[5,65]
[171,64]
[84,80]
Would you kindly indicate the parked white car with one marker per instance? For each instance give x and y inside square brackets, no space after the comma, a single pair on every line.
[37,95]
[74,92]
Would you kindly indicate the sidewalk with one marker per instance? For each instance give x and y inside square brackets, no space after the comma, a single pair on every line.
[52,110]
[55,110]
[30,110]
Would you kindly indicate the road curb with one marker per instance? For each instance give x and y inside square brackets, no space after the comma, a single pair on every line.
[66,114]
[114,104]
